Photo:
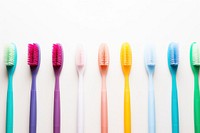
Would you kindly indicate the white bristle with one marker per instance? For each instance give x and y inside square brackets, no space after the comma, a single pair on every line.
[196,54]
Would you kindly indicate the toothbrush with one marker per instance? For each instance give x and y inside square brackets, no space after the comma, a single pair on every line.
[80,66]
[126,62]
[195,64]
[34,63]
[150,68]
[57,61]
[11,62]
[103,61]
[173,61]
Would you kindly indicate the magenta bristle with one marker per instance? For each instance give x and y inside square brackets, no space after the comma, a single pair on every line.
[33,53]
[57,57]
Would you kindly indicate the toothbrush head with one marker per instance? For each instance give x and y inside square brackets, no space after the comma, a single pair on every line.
[103,58]
[34,57]
[80,59]
[57,58]
[149,59]
[11,58]
[195,57]
[126,58]
[173,57]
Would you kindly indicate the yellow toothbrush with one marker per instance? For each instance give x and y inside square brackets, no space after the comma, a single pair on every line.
[126,62]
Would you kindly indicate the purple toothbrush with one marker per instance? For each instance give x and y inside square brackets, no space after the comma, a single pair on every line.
[34,62]
[57,61]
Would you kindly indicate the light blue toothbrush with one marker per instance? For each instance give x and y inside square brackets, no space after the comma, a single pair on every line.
[11,62]
[150,68]
[173,61]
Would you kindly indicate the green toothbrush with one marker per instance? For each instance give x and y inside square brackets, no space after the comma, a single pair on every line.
[11,62]
[195,64]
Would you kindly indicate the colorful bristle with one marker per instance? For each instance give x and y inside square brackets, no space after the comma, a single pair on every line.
[150,56]
[33,54]
[126,55]
[57,55]
[103,56]
[80,57]
[196,55]
[10,55]
[174,54]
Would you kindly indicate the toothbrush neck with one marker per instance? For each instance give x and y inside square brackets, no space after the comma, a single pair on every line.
[127,80]
[196,77]
[174,76]
[57,82]
[34,76]
[104,81]
[150,78]
[10,78]
[103,77]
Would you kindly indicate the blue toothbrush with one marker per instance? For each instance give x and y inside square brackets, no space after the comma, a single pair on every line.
[150,68]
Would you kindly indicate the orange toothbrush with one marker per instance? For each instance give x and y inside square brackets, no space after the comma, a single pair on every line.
[103,60]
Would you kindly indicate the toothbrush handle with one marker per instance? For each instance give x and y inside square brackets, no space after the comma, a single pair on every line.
[196,105]
[80,106]
[56,126]
[151,107]
[104,111]
[9,113]
[175,112]
[33,108]
[127,108]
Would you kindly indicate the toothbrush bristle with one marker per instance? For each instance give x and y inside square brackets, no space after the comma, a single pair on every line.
[103,55]
[174,54]
[150,56]
[196,55]
[126,55]
[57,55]
[33,54]
[80,57]
[10,55]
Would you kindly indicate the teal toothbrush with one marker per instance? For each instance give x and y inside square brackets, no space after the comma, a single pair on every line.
[195,64]
[11,62]
[173,61]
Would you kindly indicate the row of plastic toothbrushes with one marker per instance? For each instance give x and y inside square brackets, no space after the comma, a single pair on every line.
[34,62]
[103,61]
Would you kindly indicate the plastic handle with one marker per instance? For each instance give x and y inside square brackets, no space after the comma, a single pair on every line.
[127,108]
[33,107]
[80,106]
[151,106]
[196,104]
[104,111]
[56,122]
[175,114]
[9,113]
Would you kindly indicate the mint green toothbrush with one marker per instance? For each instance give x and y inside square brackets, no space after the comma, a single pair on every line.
[11,62]
[195,63]
[173,61]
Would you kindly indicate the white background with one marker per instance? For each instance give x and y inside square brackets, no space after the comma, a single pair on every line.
[91,22]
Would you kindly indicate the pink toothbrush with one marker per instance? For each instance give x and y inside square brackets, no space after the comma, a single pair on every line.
[103,60]
[57,61]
